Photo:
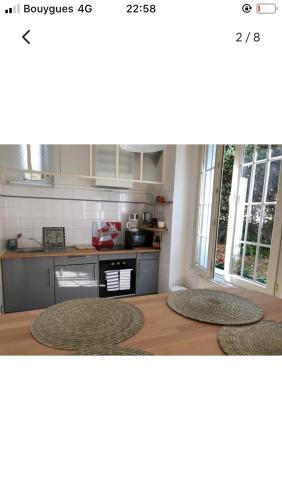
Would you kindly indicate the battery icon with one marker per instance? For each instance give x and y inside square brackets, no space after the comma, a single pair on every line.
[267,8]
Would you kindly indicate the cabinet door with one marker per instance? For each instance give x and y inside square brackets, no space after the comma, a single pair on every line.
[105,160]
[76,281]
[28,283]
[75,159]
[45,158]
[13,156]
[129,165]
[147,276]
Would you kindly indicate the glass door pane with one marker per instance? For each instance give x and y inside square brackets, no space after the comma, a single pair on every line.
[256,208]
[105,159]
[75,159]
[45,158]
[129,165]
[13,156]
[205,208]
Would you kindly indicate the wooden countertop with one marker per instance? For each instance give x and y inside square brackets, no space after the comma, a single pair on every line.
[164,332]
[8,254]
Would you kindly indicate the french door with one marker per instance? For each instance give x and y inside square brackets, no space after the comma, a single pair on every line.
[207,214]
[255,216]
[254,227]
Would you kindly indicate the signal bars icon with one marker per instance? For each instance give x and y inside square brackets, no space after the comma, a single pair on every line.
[13,10]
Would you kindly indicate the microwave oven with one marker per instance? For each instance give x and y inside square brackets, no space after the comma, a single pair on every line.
[138,238]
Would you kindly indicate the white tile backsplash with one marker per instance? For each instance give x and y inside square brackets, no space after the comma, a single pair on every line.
[28,215]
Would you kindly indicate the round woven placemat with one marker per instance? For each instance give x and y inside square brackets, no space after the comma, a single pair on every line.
[212,306]
[86,324]
[111,351]
[263,338]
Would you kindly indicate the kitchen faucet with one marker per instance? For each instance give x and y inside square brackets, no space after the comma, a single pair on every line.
[39,243]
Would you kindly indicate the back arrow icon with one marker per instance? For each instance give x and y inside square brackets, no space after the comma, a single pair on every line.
[24,37]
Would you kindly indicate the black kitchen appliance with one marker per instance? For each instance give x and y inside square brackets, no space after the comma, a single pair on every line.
[147,218]
[138,238]
[117,277]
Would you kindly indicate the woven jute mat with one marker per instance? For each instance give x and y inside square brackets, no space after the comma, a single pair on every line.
[261,339]
[212,306]
[89,326]
[111,351]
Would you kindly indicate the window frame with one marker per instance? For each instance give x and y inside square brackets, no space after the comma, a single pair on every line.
[208,272]
[234,204]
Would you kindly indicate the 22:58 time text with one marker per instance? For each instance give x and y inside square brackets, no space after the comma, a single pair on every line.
[137,9]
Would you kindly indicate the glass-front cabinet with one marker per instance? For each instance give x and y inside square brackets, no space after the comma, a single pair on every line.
[13,156]
[113,162]
[75,159]
[129,165]
[104,161]
[45,158]
[100,161]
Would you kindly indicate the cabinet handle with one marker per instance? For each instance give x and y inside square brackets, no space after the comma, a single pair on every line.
[49,277]
[94,273]
[138,270]
[79,257]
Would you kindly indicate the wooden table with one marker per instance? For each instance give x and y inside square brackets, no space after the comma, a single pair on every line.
[164,331]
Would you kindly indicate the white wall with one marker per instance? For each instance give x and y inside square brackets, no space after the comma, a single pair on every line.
[183,215]
[28,209]
[183,218]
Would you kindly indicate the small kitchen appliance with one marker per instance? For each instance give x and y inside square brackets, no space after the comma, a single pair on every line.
[147,219]
[104,234]
[133,221]
[133,216]
[12,244]
[138,238]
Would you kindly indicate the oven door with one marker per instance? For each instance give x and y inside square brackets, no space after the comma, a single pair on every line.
[117,278]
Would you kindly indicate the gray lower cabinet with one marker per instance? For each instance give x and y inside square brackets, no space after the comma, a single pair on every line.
[35,283]
[147,273]
[76,278]
[28,283]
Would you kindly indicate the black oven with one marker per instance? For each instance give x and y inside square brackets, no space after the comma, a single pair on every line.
[117,277]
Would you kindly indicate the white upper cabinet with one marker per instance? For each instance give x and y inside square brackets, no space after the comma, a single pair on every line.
[129,165]
[75,159]
[45,158]
[112,162]
[153,165]
[100,161]
[13,156]
[104,161]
